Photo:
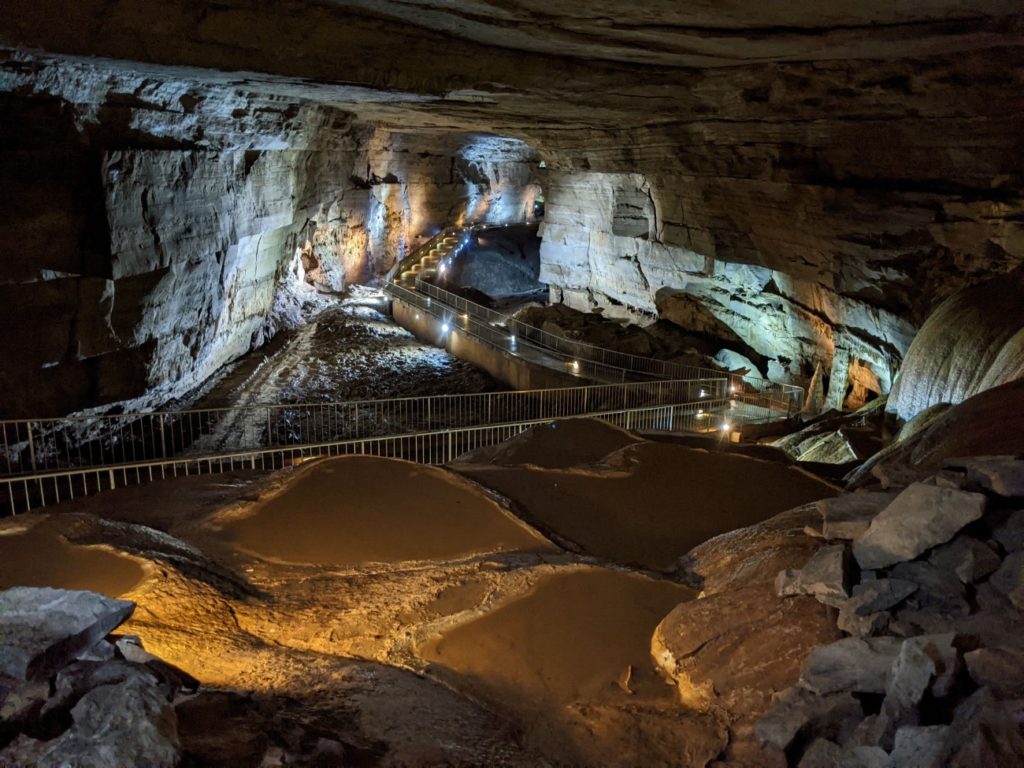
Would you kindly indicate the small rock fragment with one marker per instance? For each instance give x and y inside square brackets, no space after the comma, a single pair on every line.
[849,515]
[921,517]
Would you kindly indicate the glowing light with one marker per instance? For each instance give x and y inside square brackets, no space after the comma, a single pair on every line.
[725,427]
[512,339]
[734,389]
[445,328]
[575,364]
[700,413]
[703,393]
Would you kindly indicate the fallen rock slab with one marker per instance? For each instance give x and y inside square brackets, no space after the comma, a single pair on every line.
[921,517]
[852,664]
[42,629]
[1001,475]
[849,515]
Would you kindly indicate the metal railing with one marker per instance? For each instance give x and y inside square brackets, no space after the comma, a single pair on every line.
[22,493]
[787,397]
[40,445]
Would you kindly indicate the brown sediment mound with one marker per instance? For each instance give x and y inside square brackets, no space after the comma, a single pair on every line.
[558,445]
[650,503]
[361,509]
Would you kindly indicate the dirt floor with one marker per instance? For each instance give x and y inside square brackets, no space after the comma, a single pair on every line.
[396,615]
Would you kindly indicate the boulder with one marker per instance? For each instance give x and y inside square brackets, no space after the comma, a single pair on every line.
[921,517]
[851,664]
[797,710]
[42,629]
[1011,533]
[1009,579]
[823,577]
[1001,475]
[967,557]
[918,746]
[1001,670]
[849,515]
[908,680]
[129,724]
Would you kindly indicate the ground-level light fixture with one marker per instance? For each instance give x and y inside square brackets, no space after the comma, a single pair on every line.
[725,426]
[445,328]
[575,365]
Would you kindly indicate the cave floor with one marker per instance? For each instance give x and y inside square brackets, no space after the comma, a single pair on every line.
[350,350]
[426,624]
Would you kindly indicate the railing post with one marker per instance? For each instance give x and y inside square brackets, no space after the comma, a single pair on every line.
[31,446]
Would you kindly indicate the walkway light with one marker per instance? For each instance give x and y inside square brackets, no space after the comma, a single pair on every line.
[575,365]
[703,393]
[725,426]
[445,328]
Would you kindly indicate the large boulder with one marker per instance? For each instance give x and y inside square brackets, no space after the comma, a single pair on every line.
[42,629]
[921,517]
[823,577]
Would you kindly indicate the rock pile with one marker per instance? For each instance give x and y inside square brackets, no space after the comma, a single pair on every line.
[72,694]
[928,584]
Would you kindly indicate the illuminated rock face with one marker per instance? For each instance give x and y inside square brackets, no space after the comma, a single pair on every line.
[820,176]
[147,247]
[974,341]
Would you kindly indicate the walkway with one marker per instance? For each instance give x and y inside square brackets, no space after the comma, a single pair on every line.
[44,461]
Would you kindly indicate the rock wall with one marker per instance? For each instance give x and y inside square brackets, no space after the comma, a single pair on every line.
[142,249]
[610,245]
[974,341]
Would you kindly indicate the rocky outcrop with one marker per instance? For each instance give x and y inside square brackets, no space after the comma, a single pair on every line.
[972,342]
[70,696]
[944,669]
[150,224]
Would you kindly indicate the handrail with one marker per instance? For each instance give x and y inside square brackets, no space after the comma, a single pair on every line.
[25,492]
